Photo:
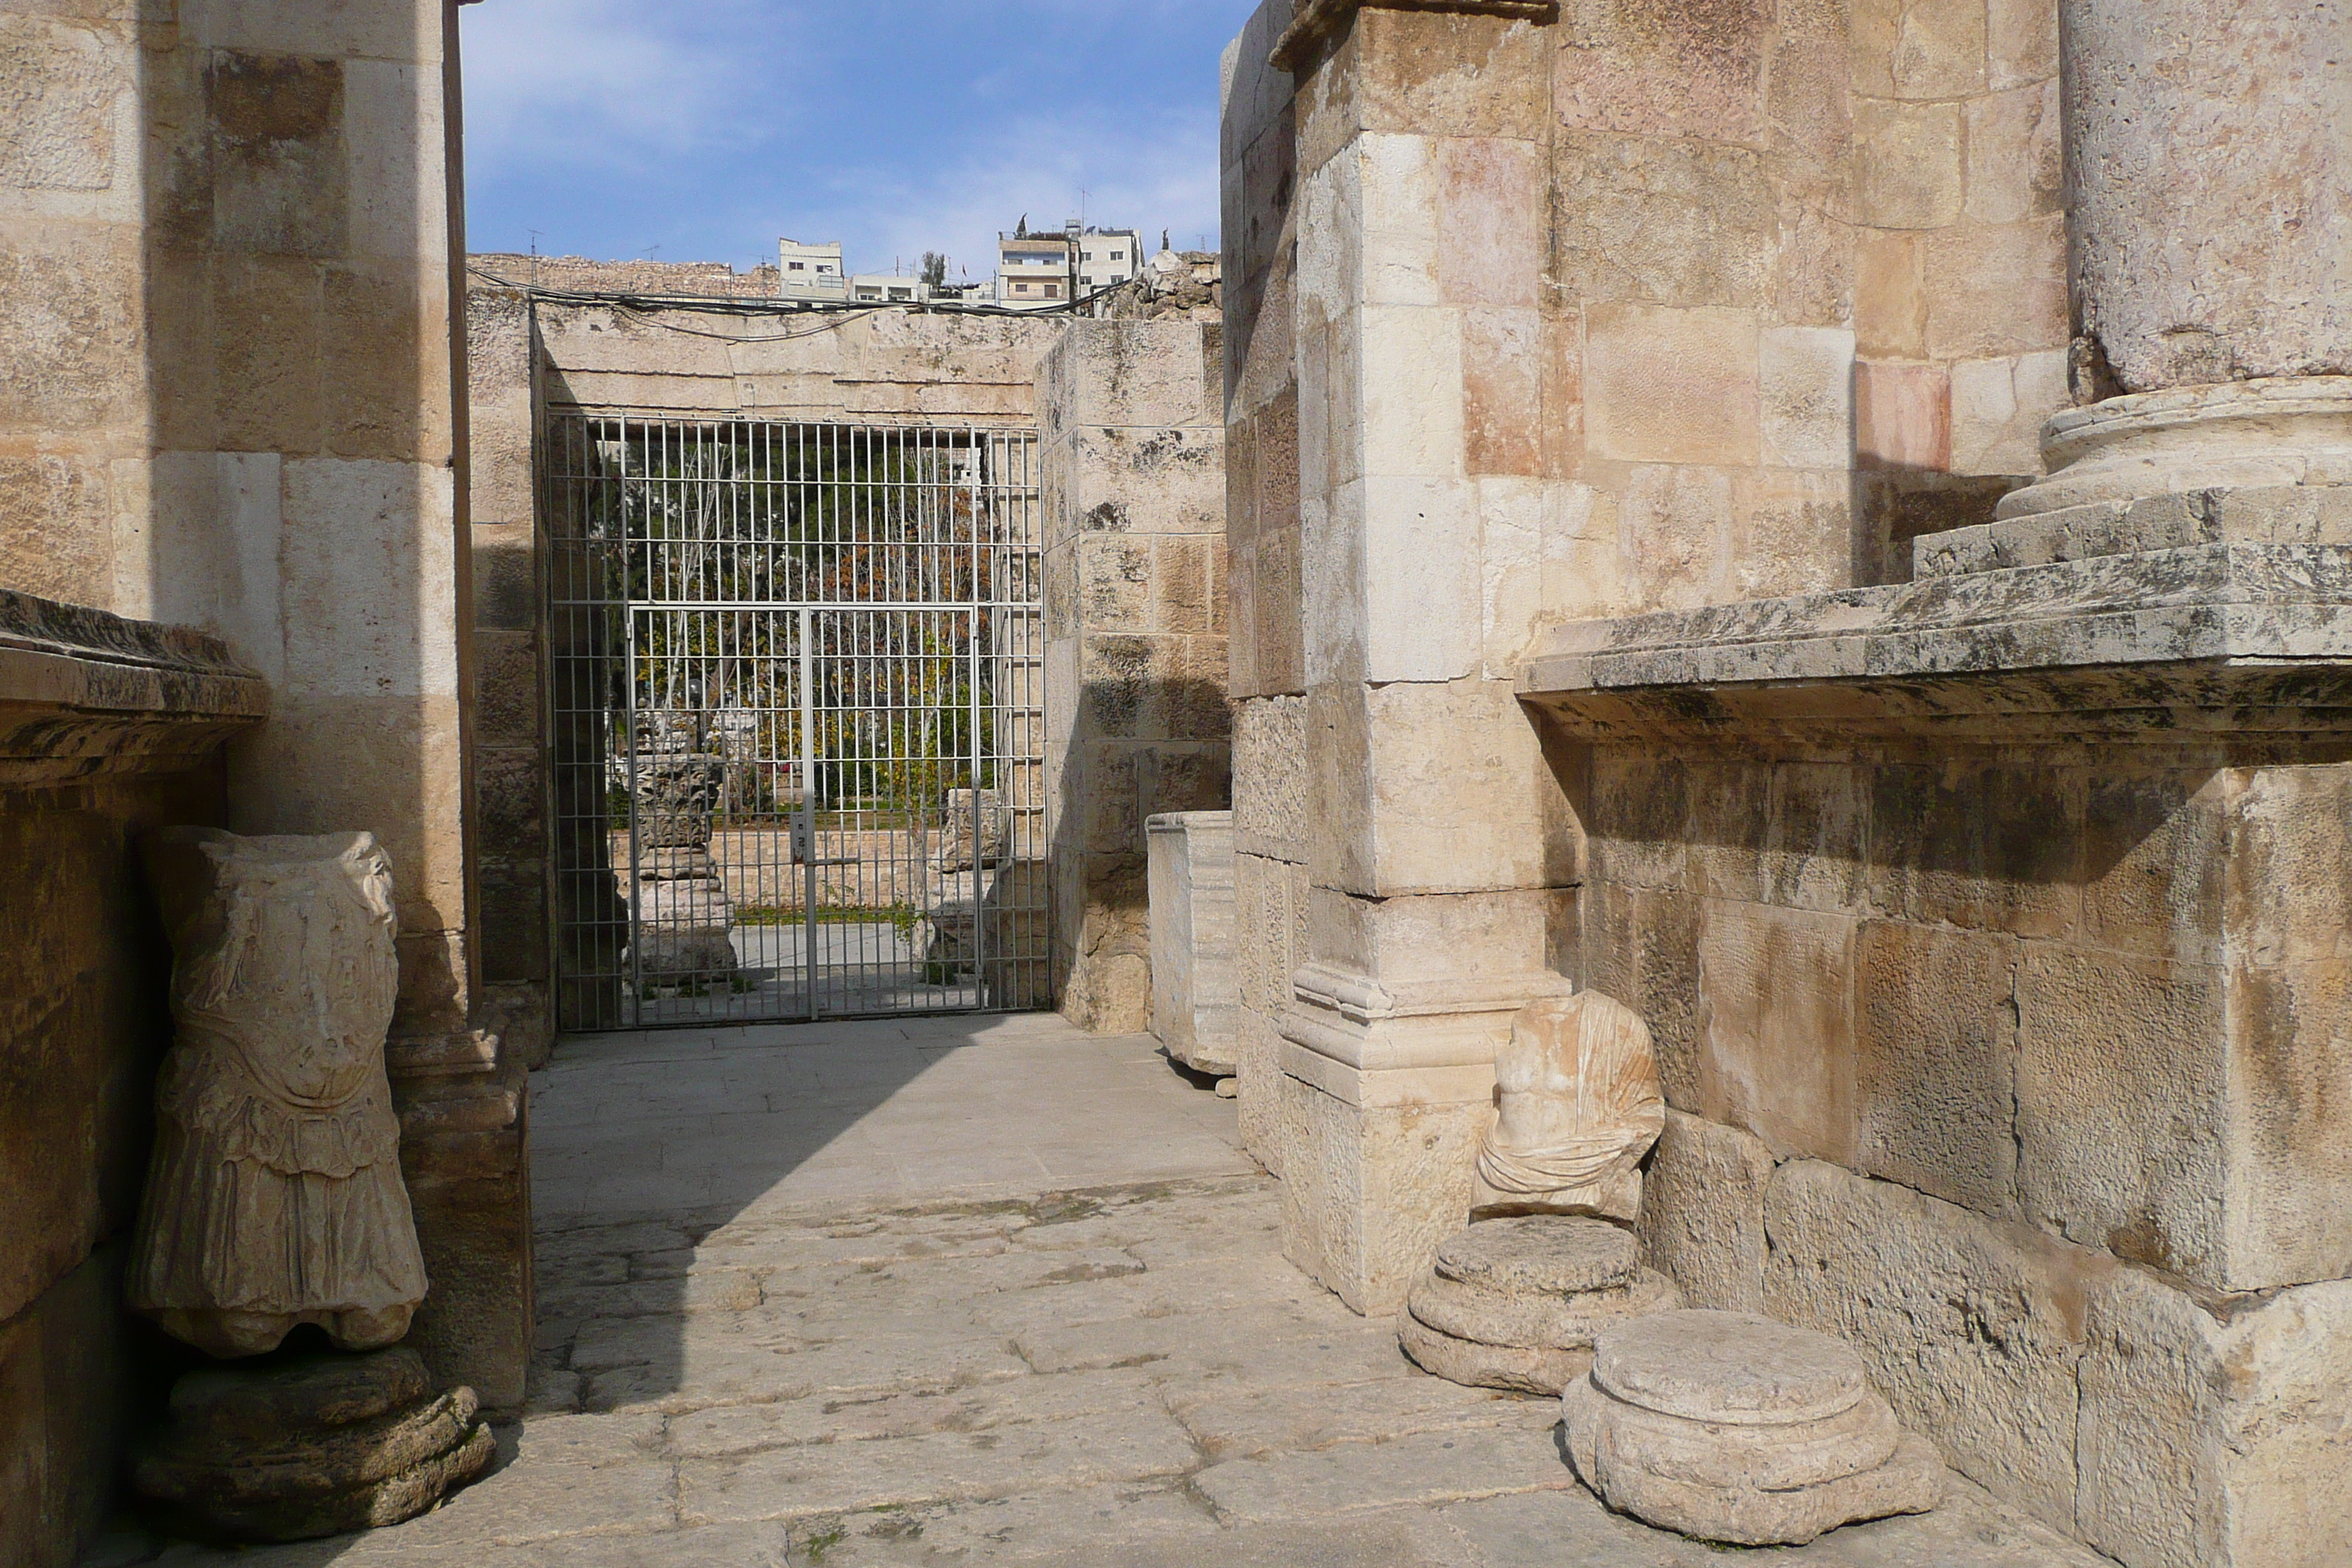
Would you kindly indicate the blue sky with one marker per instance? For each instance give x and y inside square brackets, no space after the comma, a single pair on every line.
[896,126]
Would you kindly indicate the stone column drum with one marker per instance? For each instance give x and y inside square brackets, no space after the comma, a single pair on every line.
[2209,223]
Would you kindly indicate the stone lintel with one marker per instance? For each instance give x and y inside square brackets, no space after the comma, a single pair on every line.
[83,693]
[2224,643]
[1319,19]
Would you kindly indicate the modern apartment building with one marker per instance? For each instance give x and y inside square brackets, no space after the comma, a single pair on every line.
[811,271]
[1041,271]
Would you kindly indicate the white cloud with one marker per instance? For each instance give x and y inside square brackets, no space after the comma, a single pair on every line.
[590,82]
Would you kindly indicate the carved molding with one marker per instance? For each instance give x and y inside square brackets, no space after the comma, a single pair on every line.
[84,692]
[1317,19]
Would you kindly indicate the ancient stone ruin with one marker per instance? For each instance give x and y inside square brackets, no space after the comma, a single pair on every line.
[274,1196]
[275,1200]
[1731,1427]
[1518,1303]
[684,913]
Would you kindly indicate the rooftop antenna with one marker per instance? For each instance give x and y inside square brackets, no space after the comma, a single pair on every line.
[534,259]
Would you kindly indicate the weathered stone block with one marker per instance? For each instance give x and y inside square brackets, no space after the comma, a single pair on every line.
[1684,223]
[1971,1331]
[2123,1113]
[1938,1062]
[1908,161]
[2154,872]
[1641,946]
[1729,814]
[1270,810]
[1890,297]
[1776,1020]
[1902,416]
[1791,532]
[71,335]
[2015,154]
[1491,208]
[1696,75]
[1194,991]
[2214,1437]
[1814,855]
[1506,355]
[1382,1185]
[1998,409]
[1996,289]
[2020,42]
[2289,1148]
[1702,1216]
[1674,525]
[1806,395]
[2291,838]
[57,121]
[1670,385]
[1918,51]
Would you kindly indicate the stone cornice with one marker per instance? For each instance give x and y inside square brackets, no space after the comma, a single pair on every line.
[1316,19]
[83,693]
[2228,646]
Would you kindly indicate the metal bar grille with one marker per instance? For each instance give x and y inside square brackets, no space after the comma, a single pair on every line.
[796,675]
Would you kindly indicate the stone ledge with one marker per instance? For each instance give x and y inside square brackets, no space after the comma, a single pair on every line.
[2218,643]
[1316,19]
[83,693]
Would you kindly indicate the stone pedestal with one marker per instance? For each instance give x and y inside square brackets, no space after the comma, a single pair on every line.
[1196,997]
[307,1446]
[1519,1303]
[1387,1092]
[1731,1427]
[683,913]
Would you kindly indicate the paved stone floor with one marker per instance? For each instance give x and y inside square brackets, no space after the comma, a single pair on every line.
[986,1290]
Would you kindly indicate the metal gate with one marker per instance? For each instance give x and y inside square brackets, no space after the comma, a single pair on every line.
[795,720]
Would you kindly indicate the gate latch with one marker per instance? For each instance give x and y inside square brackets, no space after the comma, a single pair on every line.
[803,845]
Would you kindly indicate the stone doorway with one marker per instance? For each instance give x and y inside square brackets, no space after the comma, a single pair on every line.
[795,688]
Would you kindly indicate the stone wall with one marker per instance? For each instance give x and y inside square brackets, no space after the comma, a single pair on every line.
[1136,448]
[652,277]
[1971,862]
[108,728]
[227,402]
[1264,666]
[1133,454]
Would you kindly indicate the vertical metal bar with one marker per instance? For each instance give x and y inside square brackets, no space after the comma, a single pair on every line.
[808,805]
[636,892]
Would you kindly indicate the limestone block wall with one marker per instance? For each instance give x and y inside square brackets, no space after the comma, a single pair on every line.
[1132,455]
[1543,312]
[227,401]
[81,1032]
[511,781]
[1134,484]
[1266,658]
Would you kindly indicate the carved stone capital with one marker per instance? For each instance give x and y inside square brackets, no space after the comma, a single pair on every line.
[1317,19]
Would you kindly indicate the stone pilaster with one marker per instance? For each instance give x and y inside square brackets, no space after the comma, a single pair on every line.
[1419,186]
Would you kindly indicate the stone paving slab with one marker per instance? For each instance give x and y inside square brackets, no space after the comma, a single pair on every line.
[1122,1375]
